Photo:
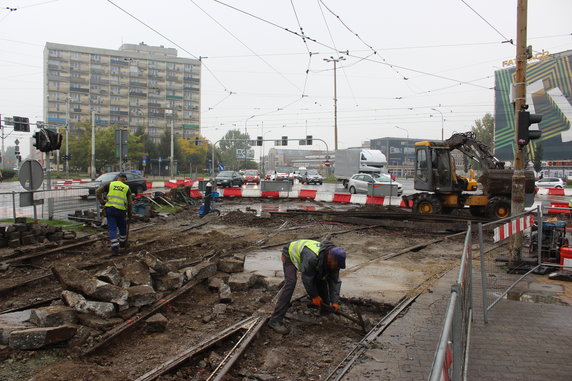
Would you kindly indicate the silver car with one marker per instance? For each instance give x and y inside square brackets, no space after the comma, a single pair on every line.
[551,182]
[359,182]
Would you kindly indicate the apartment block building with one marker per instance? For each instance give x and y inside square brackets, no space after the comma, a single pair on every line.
[136,87]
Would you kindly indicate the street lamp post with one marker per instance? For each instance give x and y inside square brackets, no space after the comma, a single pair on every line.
[442,120]
[246,121]
[404,129]
[335,61]
[93,170]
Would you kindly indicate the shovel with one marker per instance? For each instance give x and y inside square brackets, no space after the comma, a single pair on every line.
[366,326]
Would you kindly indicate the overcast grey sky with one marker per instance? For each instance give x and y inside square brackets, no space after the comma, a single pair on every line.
[402,58]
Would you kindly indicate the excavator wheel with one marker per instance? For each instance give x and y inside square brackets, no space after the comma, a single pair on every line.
[498,207]
[427,204]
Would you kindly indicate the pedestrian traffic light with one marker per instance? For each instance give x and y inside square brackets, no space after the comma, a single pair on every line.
[259,141]
[21,124]
[308,140]
[284,140]
[525,120]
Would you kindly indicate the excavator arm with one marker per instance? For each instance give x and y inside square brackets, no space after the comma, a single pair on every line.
[470,146]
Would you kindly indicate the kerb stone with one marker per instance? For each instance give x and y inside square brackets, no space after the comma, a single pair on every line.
[225,293]
[141,295]
[241,281]
[35,338]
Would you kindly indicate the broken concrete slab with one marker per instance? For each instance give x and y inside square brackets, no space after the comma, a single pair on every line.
[156,323]
[225,293]
[18,317]
[34,338]
[102,309]
[169,281]
[201,271]
[215,283]
[154,263]
[53,316]
[82,282]
[231,265]
[110,275]
[7,328]
[141,295]
[136,274]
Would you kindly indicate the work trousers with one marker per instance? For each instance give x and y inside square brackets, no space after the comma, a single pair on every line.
[285,294]
[116,219]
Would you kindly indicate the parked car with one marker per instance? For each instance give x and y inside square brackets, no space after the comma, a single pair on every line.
[137,184]
[551,182]
[311,176]
[358,183]
[228,179]
[251,176]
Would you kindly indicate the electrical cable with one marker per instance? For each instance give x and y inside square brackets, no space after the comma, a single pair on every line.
[506,39]
[306,45]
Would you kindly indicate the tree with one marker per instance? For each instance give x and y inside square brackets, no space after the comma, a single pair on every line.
[232,141]
[193,154]
[484,130]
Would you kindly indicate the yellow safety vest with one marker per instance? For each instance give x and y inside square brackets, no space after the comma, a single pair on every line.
[117,195]
[295,249]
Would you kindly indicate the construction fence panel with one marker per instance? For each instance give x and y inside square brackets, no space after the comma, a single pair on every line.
[47,204]
[499,272]
[450,360]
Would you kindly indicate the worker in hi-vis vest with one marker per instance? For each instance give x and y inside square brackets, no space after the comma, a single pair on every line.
[117,201]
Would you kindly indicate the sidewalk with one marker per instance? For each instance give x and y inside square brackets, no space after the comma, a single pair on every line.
[522,341]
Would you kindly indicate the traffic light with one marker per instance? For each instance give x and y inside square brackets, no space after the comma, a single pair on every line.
[525,120]
[259,141]
[308,140]
[197,142]
[284,140]
[47,140]
[21,124]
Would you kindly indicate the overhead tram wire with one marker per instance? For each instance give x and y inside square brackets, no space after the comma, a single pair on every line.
[346,52]
[506,39]
[171,41]
[246,46]
[306,45]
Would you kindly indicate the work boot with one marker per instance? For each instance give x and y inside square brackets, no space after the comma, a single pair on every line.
[279,327]
[123,245]
[115,250]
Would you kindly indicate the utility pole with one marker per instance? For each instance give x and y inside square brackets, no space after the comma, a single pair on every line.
[93,170]
[67,138]
[518,180]
[442,124]
[335,61]
[172,163]
[2,130]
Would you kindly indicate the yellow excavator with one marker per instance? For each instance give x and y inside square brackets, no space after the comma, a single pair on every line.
[443,190]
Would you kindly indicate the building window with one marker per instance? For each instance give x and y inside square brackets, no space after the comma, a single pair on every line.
[115,90]
[170,66]
[75,55]
[96,77]
[54,53]
[96,57]
[75,86]
[114,108]
[188,67]
[188,95]
[75,75]
[75,96]
[114,69]
[75,65]
[95,87]
[76,117]
[53,115]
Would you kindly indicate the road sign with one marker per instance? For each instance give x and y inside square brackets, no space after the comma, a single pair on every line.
[327,163]
[221,167]
[31,175]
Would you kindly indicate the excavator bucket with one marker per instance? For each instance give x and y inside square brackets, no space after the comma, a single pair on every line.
[499,181]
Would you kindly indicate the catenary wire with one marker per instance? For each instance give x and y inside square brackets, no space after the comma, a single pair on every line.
[506,39]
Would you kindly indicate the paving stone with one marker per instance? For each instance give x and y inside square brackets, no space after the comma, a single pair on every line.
[110,275]
[53,316]
[82,282]
[241,281]
[136,273]
[201,271]
[156,323]
[35,338]
[154,262]
[219,309]
[169,281]
[100,323]
[71,298]
[231,265]
[141,295]
[225,293]
[102,309]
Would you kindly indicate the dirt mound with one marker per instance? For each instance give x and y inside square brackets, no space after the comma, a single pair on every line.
[244,219]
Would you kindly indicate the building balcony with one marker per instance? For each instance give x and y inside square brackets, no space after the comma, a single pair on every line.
[57,77]
[137,94]
[100,81]
[79,90]
[118,113]
[190,125]
[174,97]
[137,83]
[119,62]
[97,71]
[56,120]
[154,104]
[78,80]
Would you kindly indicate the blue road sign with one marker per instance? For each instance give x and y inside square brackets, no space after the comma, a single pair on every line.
[221,167]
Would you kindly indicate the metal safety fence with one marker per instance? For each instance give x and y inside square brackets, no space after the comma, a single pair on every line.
[500,272]
[451,356]
[64,203]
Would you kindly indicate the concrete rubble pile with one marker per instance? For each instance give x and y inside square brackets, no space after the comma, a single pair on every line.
[23,233]
[93,303]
